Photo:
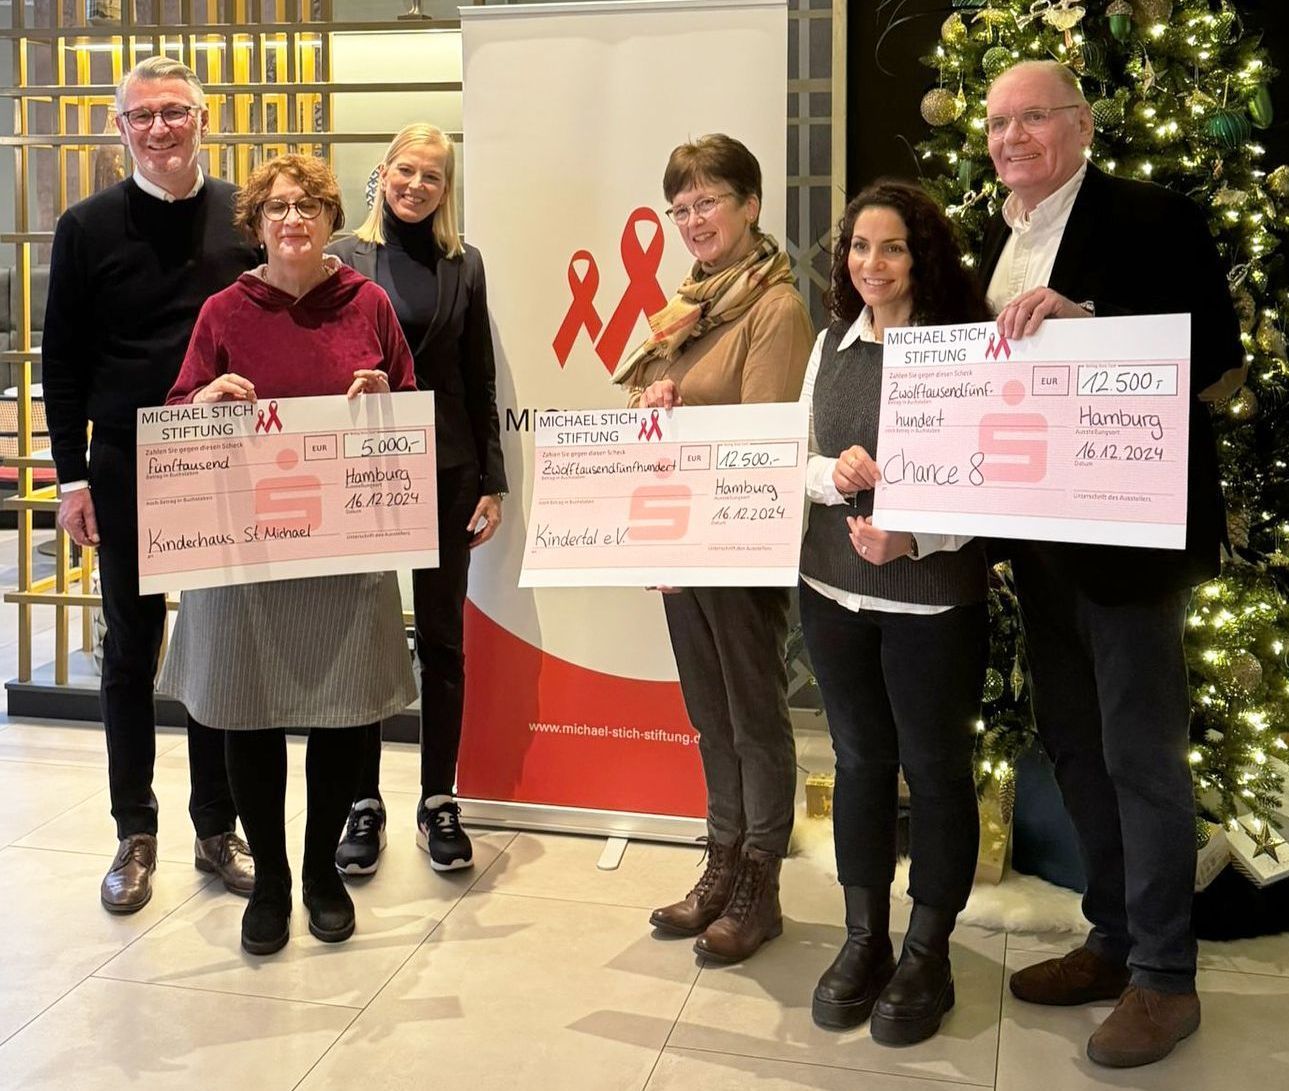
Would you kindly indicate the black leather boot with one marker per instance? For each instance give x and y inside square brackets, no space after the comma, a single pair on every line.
[266,922]
[849,987]
[331,910]
[914,1002]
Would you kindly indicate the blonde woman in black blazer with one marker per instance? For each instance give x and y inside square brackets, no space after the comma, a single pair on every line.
[411,247]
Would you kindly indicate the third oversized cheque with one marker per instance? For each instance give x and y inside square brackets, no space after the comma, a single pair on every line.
[705,496]
[1076,434]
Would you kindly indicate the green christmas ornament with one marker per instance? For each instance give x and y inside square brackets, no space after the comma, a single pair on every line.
[1230,128]
[1119,12]
[1225,25]
[1203,833]
[939,107]
[1260,108]
[996,61]
[1147,13]
[953,31]
[993,685]
[1107,113]
[1278,181]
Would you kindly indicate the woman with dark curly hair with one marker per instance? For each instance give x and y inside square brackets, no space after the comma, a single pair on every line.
[896,628]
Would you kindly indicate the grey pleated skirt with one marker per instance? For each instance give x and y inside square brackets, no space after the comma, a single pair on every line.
[324,652]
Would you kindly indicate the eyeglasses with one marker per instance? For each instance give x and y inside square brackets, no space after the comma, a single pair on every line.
[1033,118]
[173,116]
[679,214]
[307,208]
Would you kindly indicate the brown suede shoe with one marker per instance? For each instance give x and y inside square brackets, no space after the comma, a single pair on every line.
[227,856]
[127,886]
[1077,978]
[704,903]
[1144,1027]
[752,915]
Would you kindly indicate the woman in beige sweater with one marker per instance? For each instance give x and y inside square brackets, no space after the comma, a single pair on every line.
[736,331]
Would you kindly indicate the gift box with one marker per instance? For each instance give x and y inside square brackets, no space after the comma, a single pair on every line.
[1212,857]
[996,805]
[1259,850]
[819,787]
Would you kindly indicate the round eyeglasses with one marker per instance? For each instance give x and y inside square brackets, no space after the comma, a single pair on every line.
[172,116]
[307,208]
[679,214]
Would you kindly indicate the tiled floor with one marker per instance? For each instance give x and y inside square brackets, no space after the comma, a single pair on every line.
[534,970]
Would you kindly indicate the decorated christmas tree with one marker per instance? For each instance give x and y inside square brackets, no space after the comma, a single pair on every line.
[1179,90]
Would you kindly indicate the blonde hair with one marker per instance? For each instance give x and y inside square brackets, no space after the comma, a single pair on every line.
[445,216]
[160,68]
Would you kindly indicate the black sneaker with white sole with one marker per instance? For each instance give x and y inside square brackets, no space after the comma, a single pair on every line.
[439,832]
[359,850]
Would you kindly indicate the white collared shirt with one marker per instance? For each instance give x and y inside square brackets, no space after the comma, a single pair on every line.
[821,490]
[1029,254]
[160,194]
[154,190]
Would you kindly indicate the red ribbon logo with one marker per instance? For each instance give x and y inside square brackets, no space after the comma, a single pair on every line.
[581,312]
[997,346]
[642,295]
[267,425]
[650,429]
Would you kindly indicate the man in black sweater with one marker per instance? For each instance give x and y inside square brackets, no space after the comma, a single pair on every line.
[131,267]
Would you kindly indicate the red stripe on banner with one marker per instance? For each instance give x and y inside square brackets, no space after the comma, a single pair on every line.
[539,729]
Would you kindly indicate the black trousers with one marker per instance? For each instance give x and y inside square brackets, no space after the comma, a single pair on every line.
[728,643]
[902,690]
[135,627]
[257,770]
[438,597]
[1112,705]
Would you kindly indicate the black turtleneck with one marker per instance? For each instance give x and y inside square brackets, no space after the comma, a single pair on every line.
[406,267]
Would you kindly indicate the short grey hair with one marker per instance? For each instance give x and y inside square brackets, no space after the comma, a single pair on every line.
[160,68]
[1058,71]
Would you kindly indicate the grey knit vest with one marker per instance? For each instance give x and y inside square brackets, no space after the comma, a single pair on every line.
[846,403]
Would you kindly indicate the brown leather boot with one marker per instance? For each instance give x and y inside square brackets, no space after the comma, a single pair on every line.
[704,903]
[1144,1027]
[752,914]
[127,886]
[1077,978]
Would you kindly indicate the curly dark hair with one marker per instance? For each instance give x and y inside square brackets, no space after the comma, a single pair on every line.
[944,289]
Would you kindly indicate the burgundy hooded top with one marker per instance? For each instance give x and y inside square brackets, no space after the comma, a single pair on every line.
[293,347]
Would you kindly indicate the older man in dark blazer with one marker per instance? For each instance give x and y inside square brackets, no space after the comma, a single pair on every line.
[1104,624]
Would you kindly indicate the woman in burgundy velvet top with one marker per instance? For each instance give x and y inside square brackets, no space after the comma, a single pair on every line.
[328,654]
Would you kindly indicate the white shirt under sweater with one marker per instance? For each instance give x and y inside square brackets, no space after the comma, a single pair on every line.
[1029,254]
[821,490]
[161,195]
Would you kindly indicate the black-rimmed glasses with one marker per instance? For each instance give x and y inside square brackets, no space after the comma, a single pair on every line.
[173,117]
[307,208]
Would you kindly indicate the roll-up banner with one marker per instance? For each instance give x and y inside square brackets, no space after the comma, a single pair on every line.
[574,718]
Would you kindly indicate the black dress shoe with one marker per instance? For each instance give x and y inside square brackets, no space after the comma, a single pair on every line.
[331,910]
[915,1000]
[266,923]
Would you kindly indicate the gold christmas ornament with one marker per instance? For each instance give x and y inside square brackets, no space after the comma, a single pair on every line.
[1243,404]
[1246,309]
[1269,338]
[1150,12]
[939,107]
[1226,197]
[1278,181]
[1225,25]
[953,31]
[1244,670]
[1238,524]
[993,685]
[996,61]
[1064,15]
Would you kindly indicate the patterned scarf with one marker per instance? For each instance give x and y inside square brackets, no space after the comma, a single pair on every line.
[704,302]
